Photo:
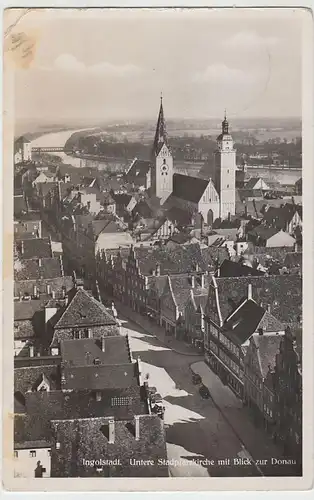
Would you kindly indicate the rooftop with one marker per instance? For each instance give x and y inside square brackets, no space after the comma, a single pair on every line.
[189,188]
[96,377]
[248,319]
[85,310]
[282,293]
[37,269]
[107,351]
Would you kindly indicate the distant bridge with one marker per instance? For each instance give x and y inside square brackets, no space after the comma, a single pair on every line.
[47,150]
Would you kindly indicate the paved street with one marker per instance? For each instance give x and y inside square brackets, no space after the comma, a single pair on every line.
[196,428]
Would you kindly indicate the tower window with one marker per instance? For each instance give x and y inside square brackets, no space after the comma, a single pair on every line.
[227,185]
[228,171]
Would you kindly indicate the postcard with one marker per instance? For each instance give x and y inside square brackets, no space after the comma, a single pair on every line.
[157,189]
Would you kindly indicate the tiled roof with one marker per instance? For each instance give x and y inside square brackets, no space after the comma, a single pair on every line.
[33,428]
[282,293]
[181,288]
[188,188]
[157,283]
[93,442]
[179,216]
[248,319]
[280,217]
[85,310]
[34,248]
[85,351]
[96,377]
[29,216]
[20,204]
[122,199]
[293,259]
[143,209]
[230,268]
[250,193]
[263,232]
[214,255]
[28,378]
[36,269]
[180,260]
[180,238]
[267,348]
[44,285]
[139,169]
[30,432]
[25,309]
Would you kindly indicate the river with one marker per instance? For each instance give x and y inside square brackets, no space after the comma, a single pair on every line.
[59,139]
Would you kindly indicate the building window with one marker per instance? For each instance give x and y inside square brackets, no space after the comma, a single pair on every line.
[32,453]
[76,334]
[49,452]
[16,454]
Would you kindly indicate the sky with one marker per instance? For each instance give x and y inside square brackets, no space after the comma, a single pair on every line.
[113,65]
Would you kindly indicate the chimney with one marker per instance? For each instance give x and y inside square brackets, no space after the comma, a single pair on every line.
[22,247]
[111,431]
[79,284]
[39,262]
[197,267]
[249,291]
[63,292]
[103,344]
[98,396]
[35,291]
[269,308]
[157,269]
[53,294]
[202,280]
[48,289]
[193,281]
[31,351]
[137,427]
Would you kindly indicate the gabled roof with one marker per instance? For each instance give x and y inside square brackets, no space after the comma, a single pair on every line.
[138,170]
[263,232]
[85,310]
[279,217]
[23,140]
[248,319]
[28,378]
[282,293]
[189,188]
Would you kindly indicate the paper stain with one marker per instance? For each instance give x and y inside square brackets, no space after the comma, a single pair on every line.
[20,49]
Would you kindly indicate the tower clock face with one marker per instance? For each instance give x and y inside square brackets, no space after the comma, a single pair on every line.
[164,169]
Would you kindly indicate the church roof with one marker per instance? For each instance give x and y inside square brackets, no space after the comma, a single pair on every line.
[161,133]
[189,188]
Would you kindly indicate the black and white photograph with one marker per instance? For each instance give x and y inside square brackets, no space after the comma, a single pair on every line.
[157,165]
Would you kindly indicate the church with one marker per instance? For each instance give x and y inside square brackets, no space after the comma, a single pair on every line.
[212,197]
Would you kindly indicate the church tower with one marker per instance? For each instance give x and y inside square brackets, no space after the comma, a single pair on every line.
[225,171]
[161,161]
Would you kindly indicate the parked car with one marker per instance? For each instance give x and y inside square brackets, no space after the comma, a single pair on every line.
[196,379]
[204,392]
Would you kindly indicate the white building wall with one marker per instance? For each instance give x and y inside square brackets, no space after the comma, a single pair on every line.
[25,464]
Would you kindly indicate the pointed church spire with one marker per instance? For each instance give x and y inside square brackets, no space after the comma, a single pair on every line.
[161,133]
